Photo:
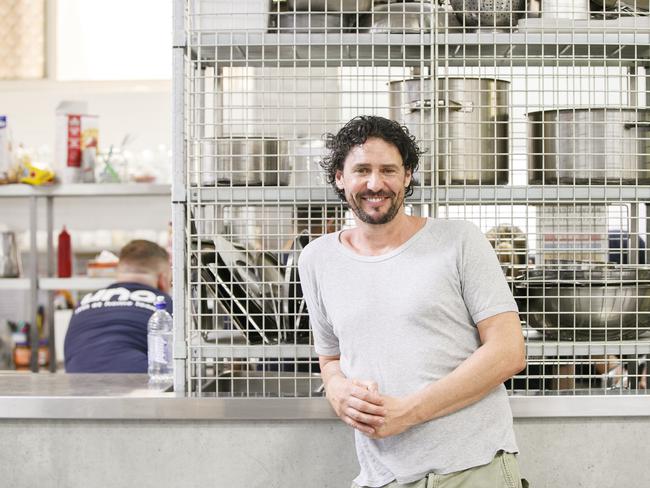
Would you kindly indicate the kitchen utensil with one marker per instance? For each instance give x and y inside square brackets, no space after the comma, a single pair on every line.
[470,145]
[398,17]
[252,161]
[9,256]
[510,246]
[351,6]
[488,13]
[586,304]
[565,9]
[589,146]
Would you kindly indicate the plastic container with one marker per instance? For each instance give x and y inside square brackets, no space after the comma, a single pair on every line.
[64,256]
[159,345]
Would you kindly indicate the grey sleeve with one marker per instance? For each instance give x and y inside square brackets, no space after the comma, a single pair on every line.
[484,287]
[326,343]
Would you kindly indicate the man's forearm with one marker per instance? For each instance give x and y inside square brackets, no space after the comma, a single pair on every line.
[473,379]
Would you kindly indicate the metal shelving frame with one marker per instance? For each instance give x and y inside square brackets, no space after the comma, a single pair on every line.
[34,282]
[200,56]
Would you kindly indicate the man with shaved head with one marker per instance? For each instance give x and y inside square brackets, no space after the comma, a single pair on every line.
[108,330]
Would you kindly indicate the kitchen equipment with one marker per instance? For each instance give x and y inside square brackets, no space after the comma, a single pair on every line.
[259,227]
[588,304]
[64,255]
[9,256]
[571,234]
[632,4]
[252,161]
[351,6]
[406,17]
[470,143]
[489,13]
[565,9]
[305,156]
[511,248]
[589,146]
[312,22]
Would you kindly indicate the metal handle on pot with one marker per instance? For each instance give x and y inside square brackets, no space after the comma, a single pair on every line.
[466,107]
[416,106]
[638,125]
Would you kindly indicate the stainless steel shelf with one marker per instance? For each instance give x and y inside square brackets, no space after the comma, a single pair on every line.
[14,283]
[280,351]
[366,49]
[551,349]
[85,190]
[461,194]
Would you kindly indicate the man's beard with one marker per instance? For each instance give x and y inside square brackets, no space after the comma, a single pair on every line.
[355,205]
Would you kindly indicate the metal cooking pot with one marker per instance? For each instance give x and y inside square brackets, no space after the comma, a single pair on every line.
[593,304]
[589,146]
[330,5]
[406,18]
[489,13]
[565,9]
[254,161]
[9,260]
[470,143]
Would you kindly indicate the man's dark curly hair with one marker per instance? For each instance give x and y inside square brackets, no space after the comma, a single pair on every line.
[356,132]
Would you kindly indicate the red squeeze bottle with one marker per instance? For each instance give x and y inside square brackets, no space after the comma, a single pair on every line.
[64,264]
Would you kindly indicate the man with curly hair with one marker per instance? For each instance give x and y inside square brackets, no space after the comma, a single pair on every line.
[414,325]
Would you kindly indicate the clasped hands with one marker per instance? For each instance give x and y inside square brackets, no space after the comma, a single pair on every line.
[360,405]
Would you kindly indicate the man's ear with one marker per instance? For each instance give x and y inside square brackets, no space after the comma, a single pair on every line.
[339,179]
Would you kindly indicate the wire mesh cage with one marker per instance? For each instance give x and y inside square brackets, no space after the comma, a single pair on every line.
[534,122]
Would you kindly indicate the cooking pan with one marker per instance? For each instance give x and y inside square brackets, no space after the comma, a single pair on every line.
[595,303]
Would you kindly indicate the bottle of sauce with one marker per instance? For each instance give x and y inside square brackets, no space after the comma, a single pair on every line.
[64,261]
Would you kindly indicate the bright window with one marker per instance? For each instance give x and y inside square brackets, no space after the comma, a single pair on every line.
[114,40]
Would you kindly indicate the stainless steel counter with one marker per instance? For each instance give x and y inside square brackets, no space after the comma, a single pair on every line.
[127,396]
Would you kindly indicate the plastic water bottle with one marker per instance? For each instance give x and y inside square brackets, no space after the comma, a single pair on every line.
[159,345]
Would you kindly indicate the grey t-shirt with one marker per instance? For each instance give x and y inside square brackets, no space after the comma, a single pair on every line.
[406,319]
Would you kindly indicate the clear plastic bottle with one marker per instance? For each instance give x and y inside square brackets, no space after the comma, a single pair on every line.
[159,344]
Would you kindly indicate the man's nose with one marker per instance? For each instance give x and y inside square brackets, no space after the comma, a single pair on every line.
[374,181]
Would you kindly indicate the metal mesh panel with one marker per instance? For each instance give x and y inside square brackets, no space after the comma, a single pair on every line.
[535,122]
[22,40]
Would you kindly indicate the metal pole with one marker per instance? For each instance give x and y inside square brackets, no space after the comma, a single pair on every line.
[49,313]
[33,282]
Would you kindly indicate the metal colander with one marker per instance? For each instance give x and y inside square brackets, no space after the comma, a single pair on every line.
[488,13]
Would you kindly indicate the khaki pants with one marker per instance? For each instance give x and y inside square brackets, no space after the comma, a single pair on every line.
[502,472]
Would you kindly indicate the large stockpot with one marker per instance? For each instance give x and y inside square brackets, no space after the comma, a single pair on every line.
[589,145]
[407,17]
[489,13]
[592,304]
[469,145]
[252,161]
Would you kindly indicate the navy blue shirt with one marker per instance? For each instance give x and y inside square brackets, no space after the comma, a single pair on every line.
[108,330]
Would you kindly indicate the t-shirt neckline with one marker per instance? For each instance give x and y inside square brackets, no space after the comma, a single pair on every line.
[382,257]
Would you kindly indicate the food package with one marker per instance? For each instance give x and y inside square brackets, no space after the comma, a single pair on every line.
[77,136]
[36,174]
[104,265]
